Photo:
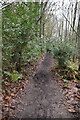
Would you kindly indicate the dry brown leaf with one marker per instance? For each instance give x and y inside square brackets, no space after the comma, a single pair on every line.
[74,90]
[12,107]
[78,96]
[75,102]
[27,81]
[12,94]
[6,98]
[6,105]
[71,110]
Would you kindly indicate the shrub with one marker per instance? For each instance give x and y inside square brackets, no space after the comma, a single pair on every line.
[18,28]
[63,51]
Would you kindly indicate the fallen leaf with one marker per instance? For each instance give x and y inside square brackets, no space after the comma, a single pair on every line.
[12,107]
[12,94]
[6,98]
[6,105]
[71,110]
[74,90]
[78,96]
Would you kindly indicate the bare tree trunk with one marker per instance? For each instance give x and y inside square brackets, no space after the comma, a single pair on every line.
[75,11]
[66,30]
[67,25]
[43,29]
[79,42]
[62,19]
[78,30]
[40,19]
[74,19]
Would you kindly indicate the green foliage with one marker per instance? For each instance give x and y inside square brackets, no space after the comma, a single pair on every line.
[34,49]
[65,81]
[69,73]
[18,28]
[63,51]
[72,67]
[14,76]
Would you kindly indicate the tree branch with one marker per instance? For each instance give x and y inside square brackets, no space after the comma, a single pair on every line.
[6,5]
[71,25]
[42,13]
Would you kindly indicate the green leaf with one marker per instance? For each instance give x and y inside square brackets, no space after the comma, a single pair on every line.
[65,81]
[14,76]
[7,73]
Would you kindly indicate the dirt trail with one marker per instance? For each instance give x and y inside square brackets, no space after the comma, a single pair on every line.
[42,97]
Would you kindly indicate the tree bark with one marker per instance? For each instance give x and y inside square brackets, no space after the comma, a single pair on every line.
[75,11]
[78,29]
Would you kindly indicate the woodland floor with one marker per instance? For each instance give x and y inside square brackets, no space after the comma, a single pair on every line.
[42,96]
